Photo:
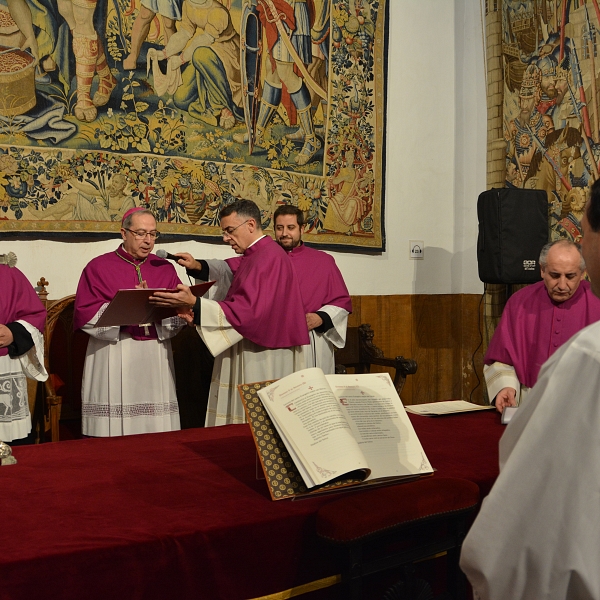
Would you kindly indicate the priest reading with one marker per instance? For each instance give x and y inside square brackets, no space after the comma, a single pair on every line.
[325,297]
[257,331]
[128,377]
[536,321]
[22,320]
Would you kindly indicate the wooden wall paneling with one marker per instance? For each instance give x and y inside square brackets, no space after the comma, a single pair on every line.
[472,343]
[440,332]
[396,334]
[390,319]
[401,325]
[354,318]
[436,347]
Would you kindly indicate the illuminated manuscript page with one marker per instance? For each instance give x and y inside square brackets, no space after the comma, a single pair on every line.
[312,426]
[380,424]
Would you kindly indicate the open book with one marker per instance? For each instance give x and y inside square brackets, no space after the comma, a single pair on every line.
[316,431]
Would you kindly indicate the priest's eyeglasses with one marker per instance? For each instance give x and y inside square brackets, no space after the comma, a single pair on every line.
[140,234]
[228,232]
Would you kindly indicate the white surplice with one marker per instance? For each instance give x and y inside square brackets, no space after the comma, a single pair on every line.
[320,351]
[500,375]
[128,385]
[240,361]
[237,361]
[536,536]
[15,418]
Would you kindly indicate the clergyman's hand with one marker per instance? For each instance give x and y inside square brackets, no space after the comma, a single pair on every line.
[6,336]
[187,314]
[188,261]
[506,397]
[181,299]
[142,286]
[313,320]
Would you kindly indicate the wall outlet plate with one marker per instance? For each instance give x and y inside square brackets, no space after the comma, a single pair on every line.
[416,249]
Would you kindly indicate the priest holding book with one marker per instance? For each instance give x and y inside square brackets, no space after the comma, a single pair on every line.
[254,322]
[128,377]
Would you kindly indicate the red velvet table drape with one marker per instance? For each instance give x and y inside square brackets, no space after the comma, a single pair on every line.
[181,515]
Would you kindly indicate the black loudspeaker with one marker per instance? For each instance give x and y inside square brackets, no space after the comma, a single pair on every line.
[513,228]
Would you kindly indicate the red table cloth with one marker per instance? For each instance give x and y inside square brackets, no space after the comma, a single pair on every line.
[181,514]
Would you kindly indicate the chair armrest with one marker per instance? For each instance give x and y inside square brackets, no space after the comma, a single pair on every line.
[373,355]
[53,410]
[403,367]
[406,366]
[360,353]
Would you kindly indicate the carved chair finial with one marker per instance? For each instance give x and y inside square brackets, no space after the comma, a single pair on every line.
[43,292]
[366,340]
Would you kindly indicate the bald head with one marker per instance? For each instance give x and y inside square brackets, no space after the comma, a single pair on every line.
[562,268]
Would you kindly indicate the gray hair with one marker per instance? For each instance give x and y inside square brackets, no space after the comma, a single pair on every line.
[127,220]
[244,209]
[544,253]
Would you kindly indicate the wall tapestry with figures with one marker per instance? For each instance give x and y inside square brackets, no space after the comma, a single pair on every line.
[184,106]
[543,105]
[551,106]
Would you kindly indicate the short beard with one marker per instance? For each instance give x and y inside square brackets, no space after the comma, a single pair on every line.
[287,244]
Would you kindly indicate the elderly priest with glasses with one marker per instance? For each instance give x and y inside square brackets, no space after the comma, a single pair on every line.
[128,378]
[256,332]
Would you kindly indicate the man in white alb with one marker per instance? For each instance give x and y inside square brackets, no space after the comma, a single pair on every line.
[128,378]
[536,534]
[255,326]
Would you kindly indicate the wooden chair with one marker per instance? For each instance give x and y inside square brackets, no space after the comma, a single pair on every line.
[360,353]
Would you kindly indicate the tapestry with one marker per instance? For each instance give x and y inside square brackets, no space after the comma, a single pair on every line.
[551,127]
[185,106]
[543,112]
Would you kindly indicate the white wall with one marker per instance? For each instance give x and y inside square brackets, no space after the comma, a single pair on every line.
[436,150]
[470,148]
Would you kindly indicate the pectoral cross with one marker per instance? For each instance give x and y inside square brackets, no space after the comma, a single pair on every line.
[138,271]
